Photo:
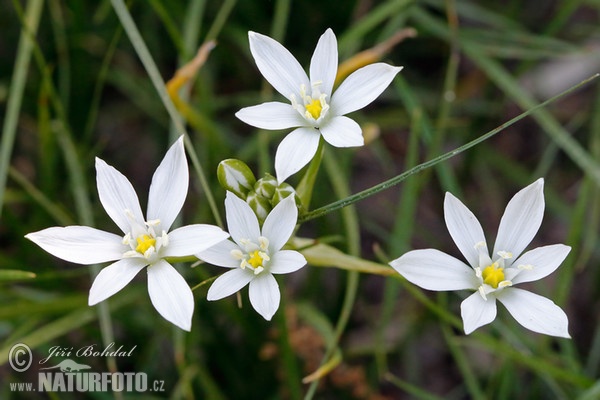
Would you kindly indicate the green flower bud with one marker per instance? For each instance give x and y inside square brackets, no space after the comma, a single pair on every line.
[260,205]
[235,176]
[266,186]
[283,190]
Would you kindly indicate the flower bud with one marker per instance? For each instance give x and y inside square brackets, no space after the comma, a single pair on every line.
[235,176]
[260,205]
[283,190]
[266,186]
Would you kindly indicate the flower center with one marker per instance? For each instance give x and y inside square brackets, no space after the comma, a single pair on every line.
[144,243]
[493,275]
[252,255]
[314,108]
[255,259]
[147,244]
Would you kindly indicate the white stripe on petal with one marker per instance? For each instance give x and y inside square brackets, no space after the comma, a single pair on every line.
[229,283]
[272,115]
[521,220]
[324,62]
[279,67]
[170,294]
[191,239]
[539,263]
[280,223]
[80,244]
[241,220]
[117,196]
[169,186]
[434,270]
[465,229]
[362,87]
[342,132]
[113,278]
[264,295]
[295,151]
[476,311]
[220,254]
[286,261]
[535,312]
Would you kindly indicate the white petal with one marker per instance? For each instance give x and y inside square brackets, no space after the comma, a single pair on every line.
[272,115]
[280,223]
[241,220]
[295,151]
[279,67]
[191,239]
[79,244]
[264,295]
[464,228]
[229,283]
[433,270]
[286,261]
[521,220]
[362,87]
[324,62]
[342,132]
[535,312]
[220,254]
[169,186]
[476,311]
[543,260]
[117,196]
[170,294]
[113,278]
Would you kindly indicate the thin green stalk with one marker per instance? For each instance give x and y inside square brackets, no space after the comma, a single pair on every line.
[463,364]
[78,183]
[144,54]
[307,183]
[100,81]
[15,95]
[399,178]
[56,212]
[351,225]
[220,20]
[291,370]
[513,89]
[281,15]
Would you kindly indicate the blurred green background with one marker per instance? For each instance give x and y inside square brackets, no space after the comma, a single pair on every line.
[472,66]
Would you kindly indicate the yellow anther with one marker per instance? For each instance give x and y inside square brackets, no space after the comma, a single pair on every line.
[144,243]
[255,259]
[314,108]
[492,275]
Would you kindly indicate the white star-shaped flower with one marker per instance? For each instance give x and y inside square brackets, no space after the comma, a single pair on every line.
[255,254]
[145,242]
[313,108]
[493,277]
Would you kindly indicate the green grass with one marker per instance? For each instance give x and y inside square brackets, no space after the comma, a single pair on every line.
[80,80]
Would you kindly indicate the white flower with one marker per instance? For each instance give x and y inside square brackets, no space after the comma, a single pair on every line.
[145,242]
[255,254]
[493,277]
[313,109]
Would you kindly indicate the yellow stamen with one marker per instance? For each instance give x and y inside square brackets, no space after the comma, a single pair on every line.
[314,108]
[144,243]
[255,259]
[492,275]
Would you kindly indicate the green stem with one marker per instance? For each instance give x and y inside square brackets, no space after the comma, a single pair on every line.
[306,185]
[144,54]
[399,178]
[340,186]
[17,87]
